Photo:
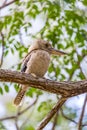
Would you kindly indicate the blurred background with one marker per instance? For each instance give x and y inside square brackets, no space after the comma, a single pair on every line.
[64,24]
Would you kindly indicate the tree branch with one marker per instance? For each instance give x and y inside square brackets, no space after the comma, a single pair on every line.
[55,121]
[66,88]
[82,114]
[51,113]
[27,108]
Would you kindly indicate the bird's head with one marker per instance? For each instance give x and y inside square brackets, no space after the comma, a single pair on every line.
[46,46]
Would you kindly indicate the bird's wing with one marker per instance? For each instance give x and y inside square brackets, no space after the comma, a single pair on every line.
[25,61]
[23,88]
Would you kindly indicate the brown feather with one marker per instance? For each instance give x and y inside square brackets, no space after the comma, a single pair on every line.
[20,95]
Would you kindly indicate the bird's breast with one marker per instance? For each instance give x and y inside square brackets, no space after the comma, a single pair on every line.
[38,62]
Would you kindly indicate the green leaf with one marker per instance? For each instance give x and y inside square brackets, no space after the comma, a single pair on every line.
[70,1]
[32,91]
[60,46]
[1,25]
[42,106]
[6,53]
[16,86]
[30,127]
[45,105]
[71,15]
[6,88]
[12,50]
[84,2]
[1,91]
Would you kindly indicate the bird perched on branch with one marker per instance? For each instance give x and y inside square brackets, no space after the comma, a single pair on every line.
[36,62]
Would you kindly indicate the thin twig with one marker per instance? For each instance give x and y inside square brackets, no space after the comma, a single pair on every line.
[66,117]
[85,124]
[16,119]
[79,64]
[7,118]
[27,119]
[51,113]
[19,113]
[1,61]
[4,2]
[55,121]
[20,36]
[82,114]
[16,122]
[85,100]
[27,108]
[5,5]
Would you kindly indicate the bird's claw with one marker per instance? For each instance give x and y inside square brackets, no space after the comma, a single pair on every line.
[34,75]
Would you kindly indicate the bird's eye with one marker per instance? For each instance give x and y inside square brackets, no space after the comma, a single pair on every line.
[46,45]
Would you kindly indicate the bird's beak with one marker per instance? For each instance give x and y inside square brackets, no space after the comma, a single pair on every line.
[56,52]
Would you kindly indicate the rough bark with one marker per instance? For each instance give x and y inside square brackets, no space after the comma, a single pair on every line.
[66,88]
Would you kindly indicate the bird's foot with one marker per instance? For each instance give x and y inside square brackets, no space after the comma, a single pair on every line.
[34,75]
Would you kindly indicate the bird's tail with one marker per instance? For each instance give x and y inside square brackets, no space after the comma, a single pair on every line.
[20,95]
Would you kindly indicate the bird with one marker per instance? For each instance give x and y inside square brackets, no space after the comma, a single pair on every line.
[36,62]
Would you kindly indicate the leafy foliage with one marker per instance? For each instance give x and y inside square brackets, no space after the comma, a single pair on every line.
[64,25]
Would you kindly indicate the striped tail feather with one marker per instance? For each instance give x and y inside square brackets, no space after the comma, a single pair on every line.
[19,96]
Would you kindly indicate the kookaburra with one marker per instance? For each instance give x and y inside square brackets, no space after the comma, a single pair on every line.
[36,62]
